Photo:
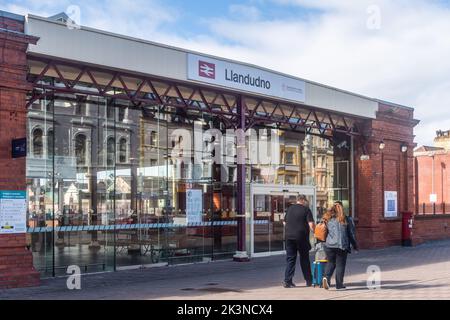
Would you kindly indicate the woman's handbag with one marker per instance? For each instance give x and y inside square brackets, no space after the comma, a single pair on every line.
[321,231]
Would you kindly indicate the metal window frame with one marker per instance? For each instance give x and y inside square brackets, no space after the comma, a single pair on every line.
[284,115]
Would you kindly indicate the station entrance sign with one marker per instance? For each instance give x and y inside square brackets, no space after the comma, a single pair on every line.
[246,78]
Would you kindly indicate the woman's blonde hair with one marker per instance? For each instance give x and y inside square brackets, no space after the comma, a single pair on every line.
[337,212]
[328,215]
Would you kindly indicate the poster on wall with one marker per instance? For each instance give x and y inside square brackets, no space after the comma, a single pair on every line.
[194,206]
[390,204]
[433,198]
[13,212]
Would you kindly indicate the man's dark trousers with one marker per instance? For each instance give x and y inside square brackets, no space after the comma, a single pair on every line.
[292,248]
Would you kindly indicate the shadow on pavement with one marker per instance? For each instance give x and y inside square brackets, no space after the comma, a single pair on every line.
[235,277]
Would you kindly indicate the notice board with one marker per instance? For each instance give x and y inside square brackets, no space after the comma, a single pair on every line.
[13,212]
[390,204]
[194,206]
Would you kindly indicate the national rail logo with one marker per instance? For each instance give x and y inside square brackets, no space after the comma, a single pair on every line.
[206,70]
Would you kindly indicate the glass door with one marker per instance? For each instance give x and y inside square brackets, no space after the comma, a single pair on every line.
[269,205]
[279,206]
[261,218]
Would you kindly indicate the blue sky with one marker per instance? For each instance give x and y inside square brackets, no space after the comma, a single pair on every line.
[395,50]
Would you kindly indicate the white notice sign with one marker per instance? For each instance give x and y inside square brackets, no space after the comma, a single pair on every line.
[433,198]
[390,204]
[194,206]
[13,212]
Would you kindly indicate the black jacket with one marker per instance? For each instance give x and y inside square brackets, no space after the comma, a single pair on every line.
[341,236]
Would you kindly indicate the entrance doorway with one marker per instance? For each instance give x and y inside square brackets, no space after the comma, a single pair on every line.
[268,205]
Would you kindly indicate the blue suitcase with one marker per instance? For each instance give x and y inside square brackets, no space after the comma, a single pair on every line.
[318,268]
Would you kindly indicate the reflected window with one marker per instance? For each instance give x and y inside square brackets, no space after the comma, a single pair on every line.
[184,170]
[153,139]
[38,143]
[123,150]
[110,112]
[50,143]
[121,114]
[110,151]
[231,174]
[80,149]
[290,179]
[80,109]
[289,158]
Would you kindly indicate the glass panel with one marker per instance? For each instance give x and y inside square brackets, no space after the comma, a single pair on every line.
[269,211]
[136,242]
[80,199]
[276,227]
[150,178]
[63,185]
[127,185]
[262,207]
[126,189]
[304,159]
[193,200]
[39,173]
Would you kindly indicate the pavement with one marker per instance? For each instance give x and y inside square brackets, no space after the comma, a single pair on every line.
[405,273]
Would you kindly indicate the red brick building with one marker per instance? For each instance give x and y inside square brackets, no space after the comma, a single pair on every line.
[106,190]
[16,265]
[432,176]
[432,189]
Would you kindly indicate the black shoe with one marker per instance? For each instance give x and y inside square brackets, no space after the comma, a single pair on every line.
[309,284]
[342,288]
[289,285]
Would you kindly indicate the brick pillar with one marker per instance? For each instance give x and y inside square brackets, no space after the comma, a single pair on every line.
[386,170]
[16,262]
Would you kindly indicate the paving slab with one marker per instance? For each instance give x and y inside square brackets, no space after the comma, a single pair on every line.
[411,273]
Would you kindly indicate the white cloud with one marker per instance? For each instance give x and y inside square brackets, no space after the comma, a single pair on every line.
[405,61]
[138,18]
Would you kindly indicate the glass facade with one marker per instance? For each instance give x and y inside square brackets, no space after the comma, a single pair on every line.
[309,160]
[111,184]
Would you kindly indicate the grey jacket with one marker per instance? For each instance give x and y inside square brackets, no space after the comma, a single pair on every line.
[341,236]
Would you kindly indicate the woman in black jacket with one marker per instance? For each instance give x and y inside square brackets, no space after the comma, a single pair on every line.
[341,237]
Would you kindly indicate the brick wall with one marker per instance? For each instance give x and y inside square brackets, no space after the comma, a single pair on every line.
[10,23]
[386,170]
[16,262]
[428,228]
[441,178]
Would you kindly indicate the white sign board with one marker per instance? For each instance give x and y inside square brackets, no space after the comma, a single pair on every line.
[194,206]
[13,212]
[433,198]
[245,78]
[390,204]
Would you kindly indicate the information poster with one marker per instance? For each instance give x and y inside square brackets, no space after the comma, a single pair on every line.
[433,198]
[13,212]
[194,206]
[390,204]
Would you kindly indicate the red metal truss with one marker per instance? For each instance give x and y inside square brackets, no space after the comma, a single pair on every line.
[219,103]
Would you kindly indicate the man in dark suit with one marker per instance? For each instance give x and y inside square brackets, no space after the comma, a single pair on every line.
[299,222]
